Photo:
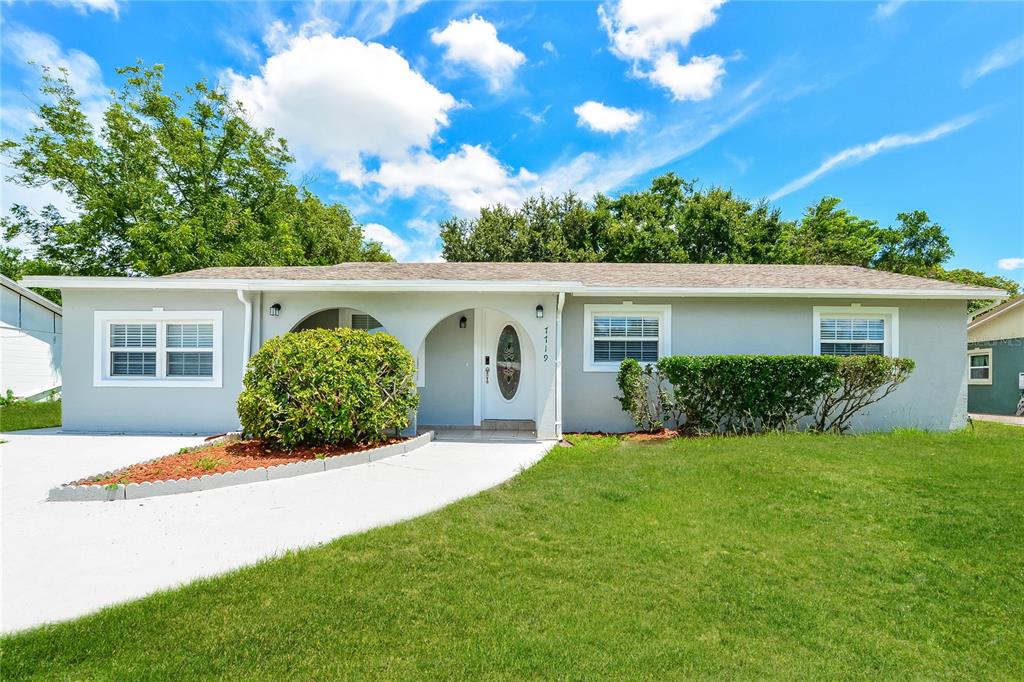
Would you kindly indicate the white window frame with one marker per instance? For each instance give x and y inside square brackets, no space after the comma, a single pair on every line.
[102,319]
[890,316]
[987,352]
[662,311]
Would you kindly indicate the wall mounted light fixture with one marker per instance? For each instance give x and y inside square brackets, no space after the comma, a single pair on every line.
[462,322]
[275,310]
[540,311]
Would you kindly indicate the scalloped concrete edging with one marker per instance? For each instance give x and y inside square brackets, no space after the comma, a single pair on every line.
[73,492]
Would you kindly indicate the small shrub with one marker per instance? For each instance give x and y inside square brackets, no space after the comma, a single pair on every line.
[209,463]
[635,382]
[8,399]
[862,380]
[328,386]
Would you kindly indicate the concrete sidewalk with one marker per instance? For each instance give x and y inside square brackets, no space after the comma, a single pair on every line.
[65,559]
[998,418]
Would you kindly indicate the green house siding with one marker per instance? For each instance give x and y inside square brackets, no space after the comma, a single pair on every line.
[1002,395]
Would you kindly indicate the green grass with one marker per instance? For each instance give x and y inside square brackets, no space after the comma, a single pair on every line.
[26,415]
[790,556]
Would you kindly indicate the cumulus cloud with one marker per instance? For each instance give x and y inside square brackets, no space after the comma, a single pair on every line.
[643,29]
[395,245]
[648,33]
[862,152]
[696,80]
[339,100]
[1011,263]
[468,178]
[1002,57]
[474,43]
[83,73]
[605,119]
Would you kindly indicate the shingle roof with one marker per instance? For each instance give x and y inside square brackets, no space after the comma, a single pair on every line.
[601,275]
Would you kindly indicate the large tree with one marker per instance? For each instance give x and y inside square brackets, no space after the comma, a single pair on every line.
[168,182]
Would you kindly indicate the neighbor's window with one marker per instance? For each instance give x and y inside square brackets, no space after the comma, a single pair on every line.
[864,332]
[979,366]
[158,349]
[615,333]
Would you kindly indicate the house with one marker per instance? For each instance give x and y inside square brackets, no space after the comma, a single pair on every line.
[30,341]
[498,341]
[995,353]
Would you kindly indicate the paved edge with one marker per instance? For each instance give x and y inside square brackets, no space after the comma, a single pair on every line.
[135,491]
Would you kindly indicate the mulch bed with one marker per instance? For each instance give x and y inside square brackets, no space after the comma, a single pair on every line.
[222,457]
[634,436]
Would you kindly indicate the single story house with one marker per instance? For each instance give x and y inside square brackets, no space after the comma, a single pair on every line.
[30,341]
[498,341]
[995,353]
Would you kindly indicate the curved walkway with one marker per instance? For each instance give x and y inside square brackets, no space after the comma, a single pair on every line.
[62,560]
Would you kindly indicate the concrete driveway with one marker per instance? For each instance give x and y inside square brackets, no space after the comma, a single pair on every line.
[65,559]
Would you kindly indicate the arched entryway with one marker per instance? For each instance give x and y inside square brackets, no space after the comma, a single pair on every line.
[332,318]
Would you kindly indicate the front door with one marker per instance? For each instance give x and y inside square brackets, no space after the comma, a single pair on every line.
[507,370]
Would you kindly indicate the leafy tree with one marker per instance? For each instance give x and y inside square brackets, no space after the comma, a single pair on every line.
[829,235]
[169,182]
[15,265]
[916,246]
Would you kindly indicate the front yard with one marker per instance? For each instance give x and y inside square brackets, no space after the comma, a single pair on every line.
[782,556]
[29,415]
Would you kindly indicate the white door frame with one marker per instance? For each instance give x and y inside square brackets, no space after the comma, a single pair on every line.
[478,364]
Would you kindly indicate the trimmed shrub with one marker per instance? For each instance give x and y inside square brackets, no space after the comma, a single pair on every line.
[862,380]
[328,386]
[752,393]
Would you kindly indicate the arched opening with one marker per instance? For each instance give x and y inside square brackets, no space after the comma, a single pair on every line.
[332,318]
[447,374]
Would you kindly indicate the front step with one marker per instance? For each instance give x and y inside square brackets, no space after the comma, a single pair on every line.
[508,425]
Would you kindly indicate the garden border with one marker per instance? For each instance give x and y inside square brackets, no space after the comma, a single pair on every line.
[74,492]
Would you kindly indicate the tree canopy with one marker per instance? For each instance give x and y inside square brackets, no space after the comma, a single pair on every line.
[673,221]
[166,182]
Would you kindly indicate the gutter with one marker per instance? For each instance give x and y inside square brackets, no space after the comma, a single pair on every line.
[247,328]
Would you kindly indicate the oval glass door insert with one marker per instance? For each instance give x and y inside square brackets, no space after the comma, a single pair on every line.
[510,362]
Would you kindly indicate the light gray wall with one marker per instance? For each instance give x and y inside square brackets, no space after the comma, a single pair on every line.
[30,345]
[447,394]
[160,409]
[932,333]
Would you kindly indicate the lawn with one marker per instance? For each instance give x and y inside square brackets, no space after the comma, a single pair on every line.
[29,415]
[792,556]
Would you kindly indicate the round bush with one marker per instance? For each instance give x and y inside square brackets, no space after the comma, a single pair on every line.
[328,386]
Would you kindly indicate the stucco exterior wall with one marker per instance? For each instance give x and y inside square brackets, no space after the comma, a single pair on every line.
[933,333]
[446,397]
[160,409]
[31,343]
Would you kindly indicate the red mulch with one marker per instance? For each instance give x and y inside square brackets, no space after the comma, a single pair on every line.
[231,456]
[641,436]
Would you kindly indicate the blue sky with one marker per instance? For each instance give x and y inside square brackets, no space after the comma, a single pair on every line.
[409,112]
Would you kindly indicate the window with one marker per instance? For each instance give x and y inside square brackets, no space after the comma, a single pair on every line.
[157,348]
[365,322]
[854,330]
[616,332]
[979,366]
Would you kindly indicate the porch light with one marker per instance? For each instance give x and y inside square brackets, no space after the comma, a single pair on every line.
[462,322]
[275,310]
[540,311]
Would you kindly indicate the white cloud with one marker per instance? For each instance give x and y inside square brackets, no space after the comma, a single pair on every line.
[884,10]
[697,80]
[605,119]
[474,43]
[863,152]
[1002,57]
[1011,263]
[340,100]
[468,178]
[550,47]
[84,74]
[395,245]
[84,6]
[643,29]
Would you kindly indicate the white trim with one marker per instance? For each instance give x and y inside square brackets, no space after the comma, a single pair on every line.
[478,365]
[102,319]
[979,351]
[664,311]
[30,295]
[496,286]
[992,313]
[891,316]
[246,329]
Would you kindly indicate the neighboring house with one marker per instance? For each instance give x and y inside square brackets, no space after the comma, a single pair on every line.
[530,341]
[30,341]
[995,354]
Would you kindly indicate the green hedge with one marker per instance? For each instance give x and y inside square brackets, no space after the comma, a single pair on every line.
[328,386]
[751,393]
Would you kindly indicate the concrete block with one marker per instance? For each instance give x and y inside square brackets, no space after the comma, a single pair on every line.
[343,461]
[295,469]
[385,451]
[417,442]
[213,481]
[86,493]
